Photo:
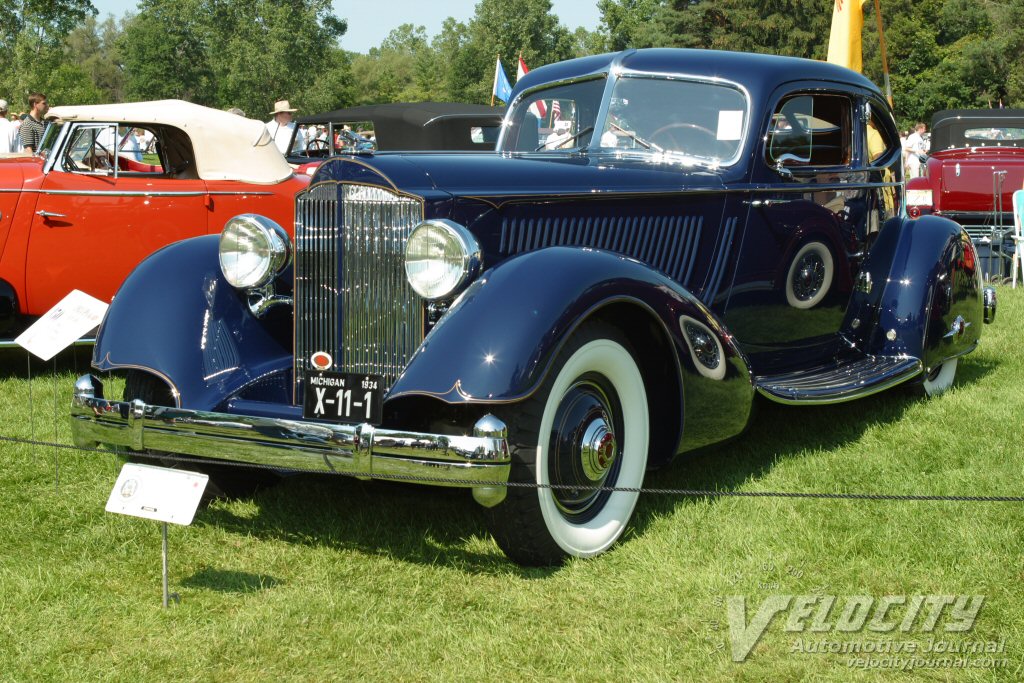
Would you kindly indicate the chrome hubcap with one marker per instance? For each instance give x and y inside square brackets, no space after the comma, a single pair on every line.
[598,449]
[583,450]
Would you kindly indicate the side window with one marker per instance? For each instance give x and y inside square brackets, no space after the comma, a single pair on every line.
[86,152]
[106,149]
[877,136]
[138,149]
[811,130]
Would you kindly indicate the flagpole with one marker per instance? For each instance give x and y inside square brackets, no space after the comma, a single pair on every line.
[885,58]
[495,86]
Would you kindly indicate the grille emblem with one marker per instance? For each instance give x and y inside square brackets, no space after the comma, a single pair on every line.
[321,360]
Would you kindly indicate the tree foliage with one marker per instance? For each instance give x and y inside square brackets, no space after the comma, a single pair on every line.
[248,53]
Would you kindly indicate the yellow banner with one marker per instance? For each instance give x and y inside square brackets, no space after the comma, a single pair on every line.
[844,41]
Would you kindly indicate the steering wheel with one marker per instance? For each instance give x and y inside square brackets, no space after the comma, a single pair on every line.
[671,139]
[99,158]
[316,147]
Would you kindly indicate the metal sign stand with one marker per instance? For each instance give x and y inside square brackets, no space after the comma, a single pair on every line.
[167,596]
[159,494]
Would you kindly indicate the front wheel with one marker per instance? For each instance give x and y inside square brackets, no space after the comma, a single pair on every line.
[586,428]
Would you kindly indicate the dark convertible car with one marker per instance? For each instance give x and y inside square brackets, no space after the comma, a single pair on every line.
[397,126]
[661,237]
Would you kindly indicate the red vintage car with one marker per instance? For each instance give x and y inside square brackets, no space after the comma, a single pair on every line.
[975,162]
[113,183]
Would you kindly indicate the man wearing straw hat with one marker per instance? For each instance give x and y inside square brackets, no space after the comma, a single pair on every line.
[282,126]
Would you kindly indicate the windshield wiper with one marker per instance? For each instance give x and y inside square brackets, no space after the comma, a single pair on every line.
[586,130]
[636,138]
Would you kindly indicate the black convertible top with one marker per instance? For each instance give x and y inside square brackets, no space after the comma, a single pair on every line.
[950,125]
[421,125]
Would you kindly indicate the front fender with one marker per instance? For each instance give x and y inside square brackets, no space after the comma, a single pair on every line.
[499,339]
[178,318]
[931,306]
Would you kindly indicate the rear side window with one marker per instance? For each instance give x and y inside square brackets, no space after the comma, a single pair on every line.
[877,137]
[811,130]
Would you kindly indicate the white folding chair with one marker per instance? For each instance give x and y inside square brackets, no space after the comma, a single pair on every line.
[1018,256]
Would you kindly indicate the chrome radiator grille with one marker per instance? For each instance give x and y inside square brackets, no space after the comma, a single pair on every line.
[351,295]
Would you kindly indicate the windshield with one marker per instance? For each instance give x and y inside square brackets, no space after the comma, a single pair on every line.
[561,117]
[49,138]
[704,121]
[695,120]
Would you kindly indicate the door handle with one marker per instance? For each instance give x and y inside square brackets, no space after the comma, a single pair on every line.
[49,214]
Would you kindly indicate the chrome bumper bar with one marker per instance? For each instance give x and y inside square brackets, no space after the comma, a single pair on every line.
[480,461]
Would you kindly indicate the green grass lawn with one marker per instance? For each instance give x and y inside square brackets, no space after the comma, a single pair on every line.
[328,578]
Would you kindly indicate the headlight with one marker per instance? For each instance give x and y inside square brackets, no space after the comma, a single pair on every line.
[919,197]
[253,250]
[440,258]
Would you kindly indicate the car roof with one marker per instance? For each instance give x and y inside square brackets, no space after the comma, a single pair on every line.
[417,125]
[755,71]
[226,146]
[949,125]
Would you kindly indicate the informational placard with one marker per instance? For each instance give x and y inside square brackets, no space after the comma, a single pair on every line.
[62,325]
[158,493]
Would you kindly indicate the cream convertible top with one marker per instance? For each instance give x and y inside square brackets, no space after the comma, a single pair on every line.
[226,146]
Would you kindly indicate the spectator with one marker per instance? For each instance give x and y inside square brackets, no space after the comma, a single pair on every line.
[8,131]
[31,132]
[917,151]
[282,126]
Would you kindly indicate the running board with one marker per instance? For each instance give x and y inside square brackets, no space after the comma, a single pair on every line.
[840,381]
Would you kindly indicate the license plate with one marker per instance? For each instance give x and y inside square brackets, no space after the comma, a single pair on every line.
[343,397]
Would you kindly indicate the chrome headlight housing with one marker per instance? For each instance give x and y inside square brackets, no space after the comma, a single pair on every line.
[253,250]
[441,257]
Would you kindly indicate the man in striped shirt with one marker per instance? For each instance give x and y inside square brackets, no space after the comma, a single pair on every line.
[31,131]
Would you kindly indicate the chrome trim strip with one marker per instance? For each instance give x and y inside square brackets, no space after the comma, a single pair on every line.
[139,193]
[354,449]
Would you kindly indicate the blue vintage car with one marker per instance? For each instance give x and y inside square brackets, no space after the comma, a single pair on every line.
[661,237]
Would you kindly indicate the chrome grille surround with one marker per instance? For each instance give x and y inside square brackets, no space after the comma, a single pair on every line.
[352,298]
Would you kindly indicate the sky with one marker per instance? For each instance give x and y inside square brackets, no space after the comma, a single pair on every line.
[370,22]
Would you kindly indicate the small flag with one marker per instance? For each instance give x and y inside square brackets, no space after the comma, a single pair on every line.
[556,111]
[537,108]
[502,90]
[844,41]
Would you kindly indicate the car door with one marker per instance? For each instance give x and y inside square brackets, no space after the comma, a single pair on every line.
[104,205]
[808,229]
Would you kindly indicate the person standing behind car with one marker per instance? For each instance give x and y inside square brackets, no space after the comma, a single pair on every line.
[8,131]
[32,127]
[917,151]
[282,126]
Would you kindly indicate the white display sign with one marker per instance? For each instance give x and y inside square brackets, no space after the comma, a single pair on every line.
[157,493]
[69,320]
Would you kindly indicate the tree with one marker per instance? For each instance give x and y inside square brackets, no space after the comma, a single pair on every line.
[226,53]
[32,34]
[631,23]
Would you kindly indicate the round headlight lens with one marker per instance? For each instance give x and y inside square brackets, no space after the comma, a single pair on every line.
[440,257]
[253,250]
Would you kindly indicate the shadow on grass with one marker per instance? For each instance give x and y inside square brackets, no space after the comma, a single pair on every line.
[230,581]
[439,526]
[412,523]
[778,432]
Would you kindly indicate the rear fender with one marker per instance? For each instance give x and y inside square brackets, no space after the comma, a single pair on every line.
[179,319]
[931,303]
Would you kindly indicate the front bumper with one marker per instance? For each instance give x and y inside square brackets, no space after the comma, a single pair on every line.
[480,462]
